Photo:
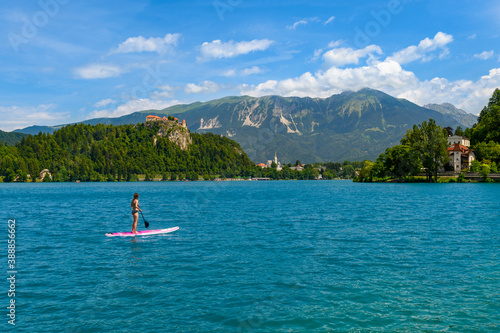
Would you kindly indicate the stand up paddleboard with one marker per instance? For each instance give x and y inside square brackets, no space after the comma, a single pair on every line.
[143,232]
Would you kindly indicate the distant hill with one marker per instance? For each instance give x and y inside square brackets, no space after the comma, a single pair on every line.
[35,129]
[348,126]
[11,138]
[465,118]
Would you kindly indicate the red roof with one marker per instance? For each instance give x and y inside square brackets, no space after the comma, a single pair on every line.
[458,147]
[152,117]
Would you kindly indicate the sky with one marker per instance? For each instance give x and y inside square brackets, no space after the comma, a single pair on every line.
[64,61]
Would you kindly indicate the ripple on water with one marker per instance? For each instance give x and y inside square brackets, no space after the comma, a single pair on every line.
[258,257]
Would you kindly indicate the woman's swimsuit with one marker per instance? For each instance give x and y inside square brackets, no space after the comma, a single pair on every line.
[134,211]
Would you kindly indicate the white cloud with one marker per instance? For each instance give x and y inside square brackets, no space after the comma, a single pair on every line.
[485,55]
[317,54]
[343,56]
[99,71]
[473,36]
[388,76]
[296,24]
[382,75]
[15,117]
[152,44]
[251,70]
[218,50]
[163,92]
[423,51]
[104,103]
[243,72]
[334,43]
[308,20]
[205,87]
[230,73]
[133,106]
[330,20]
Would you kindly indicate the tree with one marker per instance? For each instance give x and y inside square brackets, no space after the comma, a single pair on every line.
[401,161]
[488,151]
[47,177]
[10,176]
[475,166]
[23,176]
[348,171]
[378,170]
[192,176]
[484,170]
[493,167]
[429,142]
[365,173]
[494,101]
[459,131]
[488,123]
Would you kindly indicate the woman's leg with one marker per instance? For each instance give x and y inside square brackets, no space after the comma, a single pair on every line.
[134,226]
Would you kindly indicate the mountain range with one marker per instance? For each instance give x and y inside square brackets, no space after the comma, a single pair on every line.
[465,118]
[347,126]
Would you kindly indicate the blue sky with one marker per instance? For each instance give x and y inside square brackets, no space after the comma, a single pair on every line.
[64,60]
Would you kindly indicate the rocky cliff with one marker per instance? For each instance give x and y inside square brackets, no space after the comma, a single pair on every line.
[175,132]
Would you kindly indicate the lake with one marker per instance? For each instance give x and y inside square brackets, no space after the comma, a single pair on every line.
[280,256]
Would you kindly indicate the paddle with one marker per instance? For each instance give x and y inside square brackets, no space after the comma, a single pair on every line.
[146,224]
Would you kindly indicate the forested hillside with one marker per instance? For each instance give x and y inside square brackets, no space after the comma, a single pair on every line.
[11,138]
[107,152]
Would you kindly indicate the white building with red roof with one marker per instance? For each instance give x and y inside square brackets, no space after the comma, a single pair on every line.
[461,156]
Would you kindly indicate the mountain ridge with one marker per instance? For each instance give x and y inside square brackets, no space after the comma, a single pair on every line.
[346,126]
[465,118]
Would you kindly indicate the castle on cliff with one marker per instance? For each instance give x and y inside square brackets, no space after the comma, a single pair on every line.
[165,119]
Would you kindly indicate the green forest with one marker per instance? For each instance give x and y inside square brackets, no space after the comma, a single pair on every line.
[423,148]
[108,153]
[101,152]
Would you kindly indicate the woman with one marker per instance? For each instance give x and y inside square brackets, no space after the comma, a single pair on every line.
[135,211]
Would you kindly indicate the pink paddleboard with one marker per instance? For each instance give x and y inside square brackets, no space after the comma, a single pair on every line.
[143,232]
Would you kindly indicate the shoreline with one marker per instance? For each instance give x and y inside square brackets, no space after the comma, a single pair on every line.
[174,181]
[472,177]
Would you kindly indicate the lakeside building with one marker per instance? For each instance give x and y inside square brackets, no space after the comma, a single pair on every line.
[165,119]
[297,167]
[278,164]
[45,172]
[279,167]
[461,140]
[461,156]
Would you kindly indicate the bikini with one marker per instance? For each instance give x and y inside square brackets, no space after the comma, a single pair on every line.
[134,211]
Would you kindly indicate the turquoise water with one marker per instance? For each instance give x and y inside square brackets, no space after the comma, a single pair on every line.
[291,256]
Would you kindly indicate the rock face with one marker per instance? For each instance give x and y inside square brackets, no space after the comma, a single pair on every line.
[175,132]
[466,119]
[349,126]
